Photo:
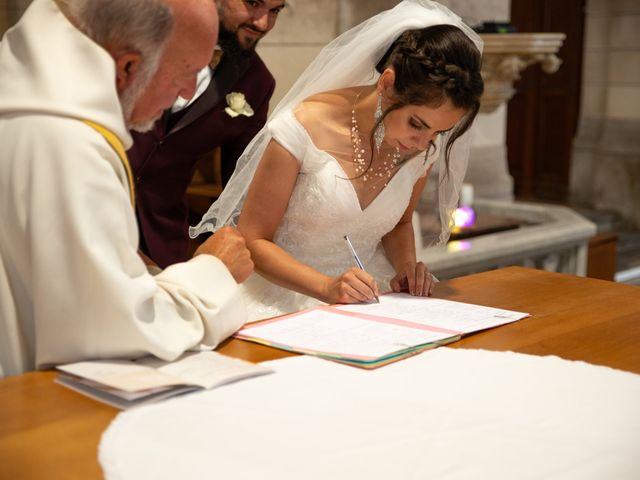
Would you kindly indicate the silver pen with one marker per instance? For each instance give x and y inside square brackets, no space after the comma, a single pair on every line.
[357,259]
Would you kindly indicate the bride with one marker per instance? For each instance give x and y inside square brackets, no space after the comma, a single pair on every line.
[347,153]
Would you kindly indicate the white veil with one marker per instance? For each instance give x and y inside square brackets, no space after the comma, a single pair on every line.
[350,60]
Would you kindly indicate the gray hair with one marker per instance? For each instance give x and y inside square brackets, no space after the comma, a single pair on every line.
[140,25]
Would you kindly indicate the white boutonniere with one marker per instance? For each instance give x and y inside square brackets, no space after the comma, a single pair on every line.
[237,105]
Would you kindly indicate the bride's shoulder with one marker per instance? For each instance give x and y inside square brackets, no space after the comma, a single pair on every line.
[325,106]
[332,98]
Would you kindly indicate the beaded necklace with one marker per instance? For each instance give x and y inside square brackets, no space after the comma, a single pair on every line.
[383,169]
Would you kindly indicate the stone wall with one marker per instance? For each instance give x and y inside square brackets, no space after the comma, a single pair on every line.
[301,31]
[473,13]
[305,27]
[606,164]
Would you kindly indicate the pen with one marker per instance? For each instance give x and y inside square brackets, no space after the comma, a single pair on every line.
[357,259]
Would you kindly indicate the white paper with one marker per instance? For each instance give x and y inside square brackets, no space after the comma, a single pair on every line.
[206,369]
[375,330]
[122,375]
[446,314]
[124,384]
[332,332]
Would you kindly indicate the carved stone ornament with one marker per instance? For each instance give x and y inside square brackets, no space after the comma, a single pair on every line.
[505,55]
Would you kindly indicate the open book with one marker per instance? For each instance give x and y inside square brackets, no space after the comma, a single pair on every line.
[373,334]
[125,384]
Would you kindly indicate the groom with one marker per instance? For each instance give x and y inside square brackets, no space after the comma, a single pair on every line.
[164,159]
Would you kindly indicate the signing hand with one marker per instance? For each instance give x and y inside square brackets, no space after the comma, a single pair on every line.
[353,286]
[414,278]
[229,246]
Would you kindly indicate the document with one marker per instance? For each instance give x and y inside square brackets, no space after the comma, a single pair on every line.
[124,384]
[435,312]
[373,334]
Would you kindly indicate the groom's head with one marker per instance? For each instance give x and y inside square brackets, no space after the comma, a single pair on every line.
[244,22]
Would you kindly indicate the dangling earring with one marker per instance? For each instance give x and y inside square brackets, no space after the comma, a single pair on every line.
[378,135]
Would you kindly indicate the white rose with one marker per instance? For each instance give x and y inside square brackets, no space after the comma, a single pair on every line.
[237,105]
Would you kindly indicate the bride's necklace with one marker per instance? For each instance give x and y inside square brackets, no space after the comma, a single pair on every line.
[384,168]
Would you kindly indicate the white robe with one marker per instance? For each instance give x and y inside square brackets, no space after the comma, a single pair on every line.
[72,285]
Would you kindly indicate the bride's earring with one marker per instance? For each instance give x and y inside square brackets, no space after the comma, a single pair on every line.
[378,135]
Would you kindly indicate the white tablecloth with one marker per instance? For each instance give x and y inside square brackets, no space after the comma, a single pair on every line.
[447,413]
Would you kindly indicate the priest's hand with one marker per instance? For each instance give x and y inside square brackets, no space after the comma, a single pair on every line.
[229,246]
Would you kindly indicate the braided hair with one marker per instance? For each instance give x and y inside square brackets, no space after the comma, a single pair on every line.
[433,65]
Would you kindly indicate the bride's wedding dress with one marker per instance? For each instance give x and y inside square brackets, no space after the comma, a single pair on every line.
[324,207]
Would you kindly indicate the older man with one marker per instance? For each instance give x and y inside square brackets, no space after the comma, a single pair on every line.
[75,75]
[164,159]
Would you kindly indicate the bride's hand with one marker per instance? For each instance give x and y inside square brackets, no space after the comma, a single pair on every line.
[353,286]
[414,278]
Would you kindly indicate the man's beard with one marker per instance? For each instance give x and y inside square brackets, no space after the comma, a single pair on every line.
[231,46]
[130,96]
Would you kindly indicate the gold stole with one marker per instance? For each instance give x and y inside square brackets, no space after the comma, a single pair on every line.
[117,146]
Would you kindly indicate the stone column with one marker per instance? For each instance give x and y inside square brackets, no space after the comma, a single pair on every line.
[605,171]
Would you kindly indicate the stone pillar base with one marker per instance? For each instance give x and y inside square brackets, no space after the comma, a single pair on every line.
[488,173]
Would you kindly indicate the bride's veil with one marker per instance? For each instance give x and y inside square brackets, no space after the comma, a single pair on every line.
[350,60]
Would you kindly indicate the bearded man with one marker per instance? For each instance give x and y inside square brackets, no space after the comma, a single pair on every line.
[229,107]
[75,76]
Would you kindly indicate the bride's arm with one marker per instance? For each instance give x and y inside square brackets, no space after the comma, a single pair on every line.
[399,246]
[264,207]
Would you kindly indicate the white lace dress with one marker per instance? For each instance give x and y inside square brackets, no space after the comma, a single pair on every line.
[323,208]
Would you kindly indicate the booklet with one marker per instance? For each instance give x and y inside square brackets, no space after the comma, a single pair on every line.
[124,384]
[373,334]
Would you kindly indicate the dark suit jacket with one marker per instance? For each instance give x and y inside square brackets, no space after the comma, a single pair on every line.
[163,160]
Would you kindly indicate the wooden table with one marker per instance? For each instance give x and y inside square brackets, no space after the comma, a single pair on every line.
[47,431]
